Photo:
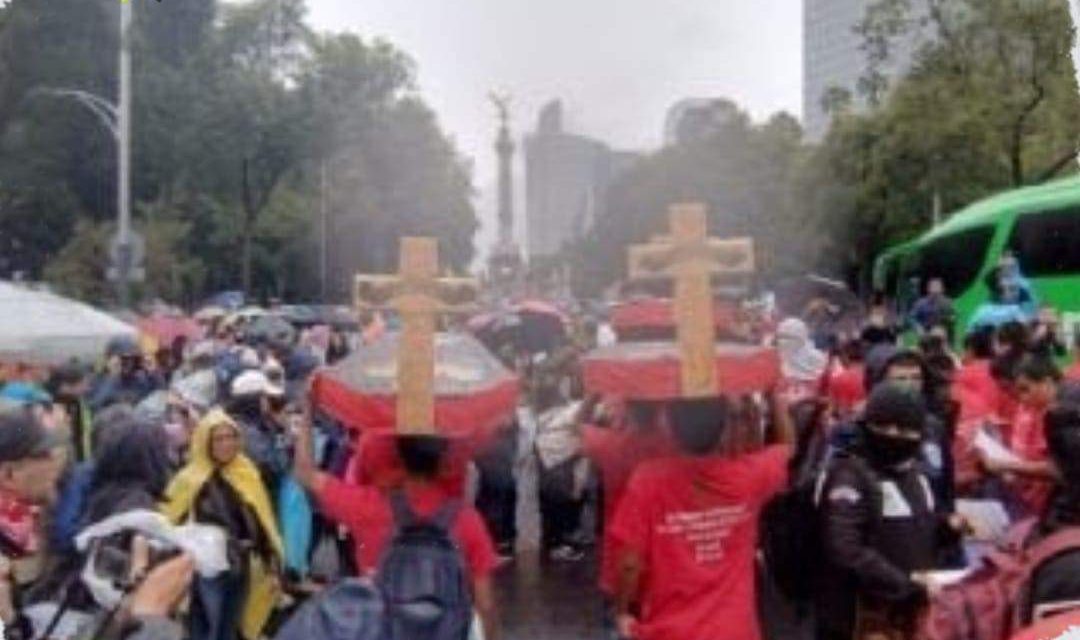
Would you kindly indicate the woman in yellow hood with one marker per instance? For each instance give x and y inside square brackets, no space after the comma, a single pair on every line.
[222,486]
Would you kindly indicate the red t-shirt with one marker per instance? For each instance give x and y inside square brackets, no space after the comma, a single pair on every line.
[976,390]
[695,523]
[847,389]
[616,454]
[1073,372]
[1027,439]
[366,513]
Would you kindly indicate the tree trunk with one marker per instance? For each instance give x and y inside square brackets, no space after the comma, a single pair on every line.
[246,229]
[245,260]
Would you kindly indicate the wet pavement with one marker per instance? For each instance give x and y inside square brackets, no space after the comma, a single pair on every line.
[540,599]
[549,600]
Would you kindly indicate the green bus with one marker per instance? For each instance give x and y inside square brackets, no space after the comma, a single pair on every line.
[1040,225]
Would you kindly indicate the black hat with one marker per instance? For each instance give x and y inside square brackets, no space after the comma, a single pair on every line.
[895,405]
[22,436]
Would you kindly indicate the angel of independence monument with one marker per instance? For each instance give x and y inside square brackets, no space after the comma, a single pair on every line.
[505,267]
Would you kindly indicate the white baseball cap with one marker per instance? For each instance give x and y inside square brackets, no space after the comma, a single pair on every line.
[254,382]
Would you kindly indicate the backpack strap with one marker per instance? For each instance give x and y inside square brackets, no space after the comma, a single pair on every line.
[404,516]
[1067,539]
[1063,541]
[446,515]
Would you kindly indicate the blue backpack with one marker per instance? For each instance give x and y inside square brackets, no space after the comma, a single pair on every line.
[349,610]
[422,577]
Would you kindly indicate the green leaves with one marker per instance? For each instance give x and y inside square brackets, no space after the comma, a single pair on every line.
[237,107]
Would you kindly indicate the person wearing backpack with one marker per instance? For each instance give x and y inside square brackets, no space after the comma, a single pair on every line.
[420,543]
[879,525]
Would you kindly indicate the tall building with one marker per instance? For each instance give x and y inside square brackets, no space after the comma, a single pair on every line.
[833,58]
[566,181]
[698,118]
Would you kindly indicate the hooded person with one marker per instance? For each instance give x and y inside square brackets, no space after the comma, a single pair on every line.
[220,485]
[802,364]
[131,472]
[908,369]
[880,524]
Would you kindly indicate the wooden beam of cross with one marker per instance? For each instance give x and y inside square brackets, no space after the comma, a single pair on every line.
[690,257]
[419,295]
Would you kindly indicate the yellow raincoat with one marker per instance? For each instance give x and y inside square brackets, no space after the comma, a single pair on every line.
[243,476]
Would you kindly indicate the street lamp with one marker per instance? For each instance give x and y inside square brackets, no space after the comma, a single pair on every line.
[117,119]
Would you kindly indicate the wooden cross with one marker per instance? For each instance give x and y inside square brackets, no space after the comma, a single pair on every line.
[419,295]
[690,257]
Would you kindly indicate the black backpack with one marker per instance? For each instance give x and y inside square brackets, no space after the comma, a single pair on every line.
[422,577]
[789,537]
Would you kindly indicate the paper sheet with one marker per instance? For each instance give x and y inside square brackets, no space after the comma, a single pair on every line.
[993,449]
[988,518]
[942,579]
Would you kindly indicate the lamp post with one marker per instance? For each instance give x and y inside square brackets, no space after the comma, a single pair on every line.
[117,119]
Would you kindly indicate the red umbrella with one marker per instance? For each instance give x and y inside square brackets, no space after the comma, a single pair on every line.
[540,307]
[474,393]
[652,370]
[165,328]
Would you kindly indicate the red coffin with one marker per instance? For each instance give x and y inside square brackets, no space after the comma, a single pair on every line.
[651,370]
[474,394]
[655,318]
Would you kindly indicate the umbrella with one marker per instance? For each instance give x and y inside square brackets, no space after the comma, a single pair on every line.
[210,314]
[651,370]
[793,295]
[532,326]
[540,308]
[270,328]
[474,393]
[307,315]
[167,328]
[43,328]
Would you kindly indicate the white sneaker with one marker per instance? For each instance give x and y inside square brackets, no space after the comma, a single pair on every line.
[566,553]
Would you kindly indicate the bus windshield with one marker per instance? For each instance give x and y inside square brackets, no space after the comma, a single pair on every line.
[956,258]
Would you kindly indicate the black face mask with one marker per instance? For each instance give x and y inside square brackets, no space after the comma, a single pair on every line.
[890,451]
[278,404]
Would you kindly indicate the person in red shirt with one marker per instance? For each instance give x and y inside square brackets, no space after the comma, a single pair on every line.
[1031,476]
[687,529]
[367,513]
[617,451]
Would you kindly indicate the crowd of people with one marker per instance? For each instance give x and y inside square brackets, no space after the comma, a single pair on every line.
[829,505]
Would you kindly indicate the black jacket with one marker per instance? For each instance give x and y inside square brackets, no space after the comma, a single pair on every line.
[877,527]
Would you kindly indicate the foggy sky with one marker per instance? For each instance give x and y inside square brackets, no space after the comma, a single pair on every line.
[617,64]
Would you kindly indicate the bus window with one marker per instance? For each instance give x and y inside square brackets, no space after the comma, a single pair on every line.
[1046,243]
[956,258]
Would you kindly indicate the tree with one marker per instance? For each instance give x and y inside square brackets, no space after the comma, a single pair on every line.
[744,172]
[989,103]
[237,109]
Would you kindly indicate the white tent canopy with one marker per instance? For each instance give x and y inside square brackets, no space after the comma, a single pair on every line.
[38,327]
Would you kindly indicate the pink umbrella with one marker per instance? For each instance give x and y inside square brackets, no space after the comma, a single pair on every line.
[165,329]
